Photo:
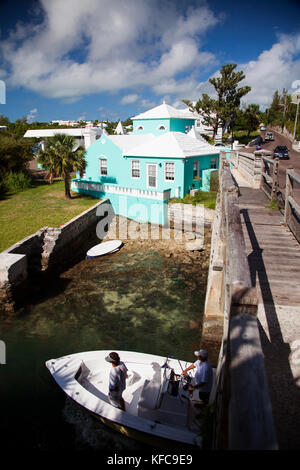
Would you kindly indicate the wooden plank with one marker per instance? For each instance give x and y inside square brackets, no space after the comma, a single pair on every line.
[294,227]
[236,257]
[250,415]
[294,176]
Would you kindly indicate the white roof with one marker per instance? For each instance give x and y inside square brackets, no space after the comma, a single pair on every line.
[120,129]
[196,135]
[165,111]
[173,145]
[80,131]
[129,141]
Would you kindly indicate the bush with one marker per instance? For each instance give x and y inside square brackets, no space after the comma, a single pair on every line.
[15,182]
[214,181]
[207,198]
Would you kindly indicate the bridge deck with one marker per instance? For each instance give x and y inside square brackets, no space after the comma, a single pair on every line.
[274,261]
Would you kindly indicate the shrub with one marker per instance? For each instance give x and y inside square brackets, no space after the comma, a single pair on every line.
[214,181]
[15,182]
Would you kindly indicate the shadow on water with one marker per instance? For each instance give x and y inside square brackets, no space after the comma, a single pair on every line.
[130,300]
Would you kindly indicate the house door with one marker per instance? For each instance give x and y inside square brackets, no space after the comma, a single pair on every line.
[151,175]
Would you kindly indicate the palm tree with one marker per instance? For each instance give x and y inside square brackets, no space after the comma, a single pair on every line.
[62,156]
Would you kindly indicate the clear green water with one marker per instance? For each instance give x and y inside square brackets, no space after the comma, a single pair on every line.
[129,300]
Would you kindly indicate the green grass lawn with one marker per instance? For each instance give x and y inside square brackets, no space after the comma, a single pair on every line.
[43,205]
[243,138]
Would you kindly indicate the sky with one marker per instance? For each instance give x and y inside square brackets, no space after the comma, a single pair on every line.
[113,59]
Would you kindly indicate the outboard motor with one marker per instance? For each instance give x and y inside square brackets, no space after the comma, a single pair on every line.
[186,381]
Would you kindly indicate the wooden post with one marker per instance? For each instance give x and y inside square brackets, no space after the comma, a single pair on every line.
[288,192]
[262,173]
[275,179]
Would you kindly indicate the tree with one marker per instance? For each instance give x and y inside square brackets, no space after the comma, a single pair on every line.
[229,95]
[209,110]
[252,117]
[274,110]
[62,156]
[4,121]
[222,111]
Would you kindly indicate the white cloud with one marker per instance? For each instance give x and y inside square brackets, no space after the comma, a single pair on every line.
[128,99]
[31,116]
[97,46]
[274,69]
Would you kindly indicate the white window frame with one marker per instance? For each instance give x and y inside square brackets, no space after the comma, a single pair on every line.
[214,160]
[197,168]
[102,159]
[131,169]
[148,165]
[165,172]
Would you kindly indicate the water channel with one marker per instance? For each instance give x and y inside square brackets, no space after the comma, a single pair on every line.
[136,299]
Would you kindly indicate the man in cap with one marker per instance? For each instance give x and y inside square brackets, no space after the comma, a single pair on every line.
[117,380]
[203,376]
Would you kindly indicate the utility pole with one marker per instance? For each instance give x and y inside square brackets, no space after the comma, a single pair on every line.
[296,100]
[295,126]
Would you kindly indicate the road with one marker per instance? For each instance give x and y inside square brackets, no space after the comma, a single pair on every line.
[294,160]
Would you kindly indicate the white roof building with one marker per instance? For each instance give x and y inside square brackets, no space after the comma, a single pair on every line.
[85,135]
[172,145]
[165,111]
[120,129]
[130,141]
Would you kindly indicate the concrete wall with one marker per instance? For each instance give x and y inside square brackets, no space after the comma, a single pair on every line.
[49,249]
[190,217]
[249,165]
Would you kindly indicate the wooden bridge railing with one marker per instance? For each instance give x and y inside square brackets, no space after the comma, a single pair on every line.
[269,177]
[285,198]
[292,208]
[243,417]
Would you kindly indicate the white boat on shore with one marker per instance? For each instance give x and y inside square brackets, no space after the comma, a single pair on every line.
[104,248]
[159,408]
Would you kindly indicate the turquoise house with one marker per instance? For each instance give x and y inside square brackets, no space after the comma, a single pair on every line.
[140,172]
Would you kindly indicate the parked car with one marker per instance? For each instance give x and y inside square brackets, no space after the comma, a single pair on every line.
[281,151]
[257,141]
[269,136]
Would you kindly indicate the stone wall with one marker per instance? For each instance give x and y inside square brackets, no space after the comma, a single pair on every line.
[190,217]
[249,165]
[71,240]
[46,250]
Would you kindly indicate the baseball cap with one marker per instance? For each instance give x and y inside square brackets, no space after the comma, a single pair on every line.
[202,353]
[112,357]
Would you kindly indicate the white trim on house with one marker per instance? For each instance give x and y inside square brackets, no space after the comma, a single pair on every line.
[197,170]
[165,172]
[102,158]
[131,169]
[115,189]
[147,182]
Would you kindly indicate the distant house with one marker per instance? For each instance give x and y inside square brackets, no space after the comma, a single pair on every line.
[140,172]
[85,136]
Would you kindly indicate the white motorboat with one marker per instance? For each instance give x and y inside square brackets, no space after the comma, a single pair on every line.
[104,248]
[159,408]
